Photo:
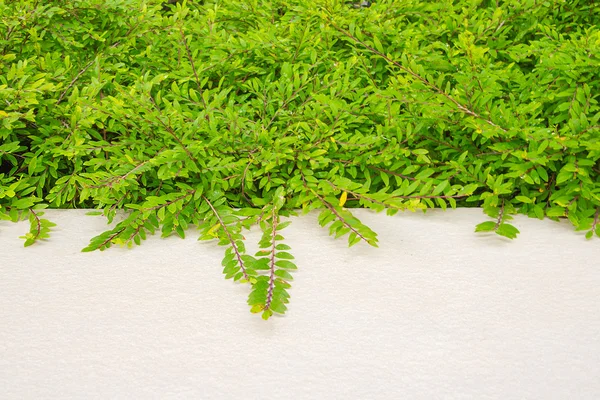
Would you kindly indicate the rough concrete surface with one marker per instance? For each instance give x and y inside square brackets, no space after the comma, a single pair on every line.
[436,312]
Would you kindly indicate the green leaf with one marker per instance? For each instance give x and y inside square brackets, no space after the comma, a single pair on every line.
[378,45]
[256,308]
[267,314]
[284,255]
[277,306]
[555,212]
[563,176]
[24,203]
[487,226]
[539,212]
[524,199]
[440,188]
[285,264]
[353,239]
[468,189]
[283,225]
[508,231]
[283,274]
[384,178]
[425,173]
[542,173]
[180,231]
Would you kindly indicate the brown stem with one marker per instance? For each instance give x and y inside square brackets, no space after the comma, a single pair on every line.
[38,223]
[233,245]
[62,95]
[189,55]
[172,133]
[272,261]
[596,219]
[500,216]
[338,216]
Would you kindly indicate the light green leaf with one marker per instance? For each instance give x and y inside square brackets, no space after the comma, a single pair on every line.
[285,264]
[508,231]
[487,226]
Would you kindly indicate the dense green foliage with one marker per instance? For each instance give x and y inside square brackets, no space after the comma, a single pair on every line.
[228,114]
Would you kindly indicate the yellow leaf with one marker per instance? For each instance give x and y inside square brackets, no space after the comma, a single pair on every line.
[343,198]
[3,114]
[214,228]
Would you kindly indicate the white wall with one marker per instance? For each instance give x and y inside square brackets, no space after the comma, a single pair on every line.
[437,312]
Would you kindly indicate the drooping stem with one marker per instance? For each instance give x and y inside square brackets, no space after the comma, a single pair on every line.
[500,216]
[272,260]
[234,246]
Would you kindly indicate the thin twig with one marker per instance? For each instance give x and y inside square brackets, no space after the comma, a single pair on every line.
[62,95]
[231,240]
[189,55]
[272,261]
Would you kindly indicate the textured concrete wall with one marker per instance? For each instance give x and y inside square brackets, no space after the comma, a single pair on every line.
[437,312]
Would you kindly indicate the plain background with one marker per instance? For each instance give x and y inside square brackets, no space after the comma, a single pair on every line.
[436,312]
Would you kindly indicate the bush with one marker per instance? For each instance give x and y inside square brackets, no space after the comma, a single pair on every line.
[227,114]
